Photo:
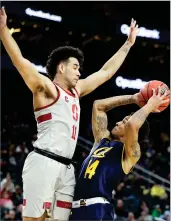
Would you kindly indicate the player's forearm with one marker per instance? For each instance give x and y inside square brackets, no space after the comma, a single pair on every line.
[112,102]
[10,45]
[139,117]
[114,63]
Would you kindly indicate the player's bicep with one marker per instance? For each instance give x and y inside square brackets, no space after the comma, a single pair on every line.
[33,79]
[132,147]
[89,84]
[99,123]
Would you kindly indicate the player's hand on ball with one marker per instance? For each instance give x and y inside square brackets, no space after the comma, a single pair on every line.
[133,32]
[3,18]
[157,99]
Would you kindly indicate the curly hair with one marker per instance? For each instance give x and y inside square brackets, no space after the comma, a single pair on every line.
[62,54]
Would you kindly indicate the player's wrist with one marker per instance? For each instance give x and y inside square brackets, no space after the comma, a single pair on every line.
[149,107]
[135,99]
[128,43]
[3,29]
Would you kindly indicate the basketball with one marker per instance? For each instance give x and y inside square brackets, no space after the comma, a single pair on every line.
[146,92]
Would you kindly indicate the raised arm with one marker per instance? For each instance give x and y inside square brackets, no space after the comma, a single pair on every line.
[34,80]
[93,81]
[135,122]
[99,116]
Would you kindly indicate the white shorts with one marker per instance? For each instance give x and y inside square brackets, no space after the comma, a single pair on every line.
[47,185]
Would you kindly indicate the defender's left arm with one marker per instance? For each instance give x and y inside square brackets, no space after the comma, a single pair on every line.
[93,81]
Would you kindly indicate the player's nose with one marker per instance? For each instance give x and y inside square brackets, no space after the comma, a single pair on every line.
[78,74]
[118,123]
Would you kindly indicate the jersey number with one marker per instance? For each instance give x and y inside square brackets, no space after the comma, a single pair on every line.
[75,118]
[91,169]
[74,130]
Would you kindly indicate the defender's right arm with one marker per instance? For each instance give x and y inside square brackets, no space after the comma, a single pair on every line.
[33,79]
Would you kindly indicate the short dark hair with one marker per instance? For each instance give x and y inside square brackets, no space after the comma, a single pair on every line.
[62,54]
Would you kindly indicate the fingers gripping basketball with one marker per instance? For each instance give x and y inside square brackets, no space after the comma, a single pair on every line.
[146,92]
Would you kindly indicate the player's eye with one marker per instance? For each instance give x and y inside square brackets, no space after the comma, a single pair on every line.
[125,120]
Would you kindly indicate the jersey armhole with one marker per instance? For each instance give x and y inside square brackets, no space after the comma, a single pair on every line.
[122,162]
[46,106]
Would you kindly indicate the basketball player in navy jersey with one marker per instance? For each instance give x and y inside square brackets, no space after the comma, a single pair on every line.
[113,156]
[48,182]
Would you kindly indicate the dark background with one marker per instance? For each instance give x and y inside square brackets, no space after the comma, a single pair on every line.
[100,21]
[94,27]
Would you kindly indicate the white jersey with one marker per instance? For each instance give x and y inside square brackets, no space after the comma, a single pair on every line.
[58,124]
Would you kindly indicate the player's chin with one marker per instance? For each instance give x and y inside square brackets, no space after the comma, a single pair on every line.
[116,132]
[74,83]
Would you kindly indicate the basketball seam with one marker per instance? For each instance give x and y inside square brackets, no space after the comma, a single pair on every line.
[147,91]
[161,84]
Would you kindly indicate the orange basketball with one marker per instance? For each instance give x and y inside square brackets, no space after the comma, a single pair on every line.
[146,92]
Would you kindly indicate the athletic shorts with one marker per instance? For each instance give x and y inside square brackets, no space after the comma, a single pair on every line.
[47,185]
[97,211]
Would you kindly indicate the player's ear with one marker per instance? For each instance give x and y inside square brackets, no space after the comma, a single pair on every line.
[61,67]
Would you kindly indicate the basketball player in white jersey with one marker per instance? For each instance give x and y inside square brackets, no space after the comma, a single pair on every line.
[48,174]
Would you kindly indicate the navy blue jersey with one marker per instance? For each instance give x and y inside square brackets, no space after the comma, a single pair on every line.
[101,171]
[98,211]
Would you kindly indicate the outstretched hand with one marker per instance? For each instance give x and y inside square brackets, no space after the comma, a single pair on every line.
[133,32]
[3,18]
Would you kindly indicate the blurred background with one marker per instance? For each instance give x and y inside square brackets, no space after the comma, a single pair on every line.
[99,29]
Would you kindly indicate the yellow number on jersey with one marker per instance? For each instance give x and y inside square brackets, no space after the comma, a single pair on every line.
[91,169]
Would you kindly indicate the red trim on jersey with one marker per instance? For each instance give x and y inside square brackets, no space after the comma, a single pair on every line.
[68,92]
[76,92]
[44,117]
[24,202]
[64,204]
[47,205]
[38,109]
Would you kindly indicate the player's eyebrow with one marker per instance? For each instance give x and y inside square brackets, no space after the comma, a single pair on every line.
[77,65]
[126,119]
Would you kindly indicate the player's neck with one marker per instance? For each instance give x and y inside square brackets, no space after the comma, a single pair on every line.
[115,138]
[62,84]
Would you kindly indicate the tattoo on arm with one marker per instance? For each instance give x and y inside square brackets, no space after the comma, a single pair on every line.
[135,147]
[101,122]
[109,103]
[124,100]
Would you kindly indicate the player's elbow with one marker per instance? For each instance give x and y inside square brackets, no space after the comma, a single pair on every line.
[98,105]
